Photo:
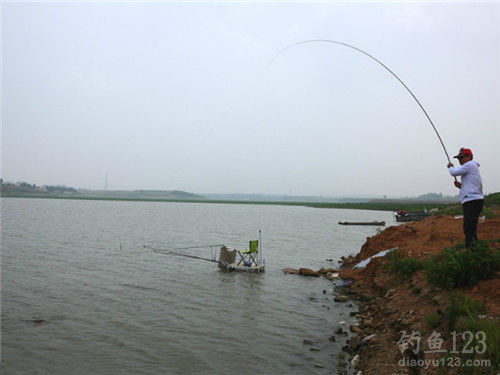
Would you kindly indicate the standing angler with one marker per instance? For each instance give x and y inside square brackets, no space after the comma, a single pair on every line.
[471,192]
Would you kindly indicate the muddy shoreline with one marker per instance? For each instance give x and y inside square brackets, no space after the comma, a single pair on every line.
[387,306]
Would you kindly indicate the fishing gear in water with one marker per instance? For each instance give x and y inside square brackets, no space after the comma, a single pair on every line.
[379,62]
[249,260]
[171,252]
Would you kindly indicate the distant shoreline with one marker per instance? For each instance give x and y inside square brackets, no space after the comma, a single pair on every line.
[375,206]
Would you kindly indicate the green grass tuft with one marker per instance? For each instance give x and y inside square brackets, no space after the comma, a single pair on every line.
[416,289]
[397,264]
[493,198]
[456,267]
[461,305]
[491,329]
[432,320]
[470,309]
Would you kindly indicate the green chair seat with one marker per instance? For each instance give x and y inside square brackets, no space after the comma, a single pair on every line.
[249,255]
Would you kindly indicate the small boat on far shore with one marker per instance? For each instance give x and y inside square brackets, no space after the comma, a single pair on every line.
[403,216]
[378,223]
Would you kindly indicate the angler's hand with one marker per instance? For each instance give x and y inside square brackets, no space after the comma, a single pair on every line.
[457,184]
[449,165]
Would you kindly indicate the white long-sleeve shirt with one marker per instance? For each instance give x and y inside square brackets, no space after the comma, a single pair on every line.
[472,185]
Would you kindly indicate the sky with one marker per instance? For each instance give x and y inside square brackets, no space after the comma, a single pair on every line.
[168,95]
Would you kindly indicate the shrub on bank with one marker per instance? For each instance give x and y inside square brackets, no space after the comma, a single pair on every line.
[491,329]
[457,267]
[397,264]
[484,331]
[432,320]
[461,305]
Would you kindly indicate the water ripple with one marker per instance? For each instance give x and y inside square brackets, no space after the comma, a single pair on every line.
[102,310]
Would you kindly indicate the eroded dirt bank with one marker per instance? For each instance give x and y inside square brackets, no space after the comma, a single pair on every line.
[390,305]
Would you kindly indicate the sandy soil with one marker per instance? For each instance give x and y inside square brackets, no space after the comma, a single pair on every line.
[388,306]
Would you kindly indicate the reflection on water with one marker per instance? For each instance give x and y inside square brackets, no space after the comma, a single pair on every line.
[107,310]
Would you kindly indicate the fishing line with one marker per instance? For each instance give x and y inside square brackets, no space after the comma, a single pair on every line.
[191,247]
[378,61]
[170,252]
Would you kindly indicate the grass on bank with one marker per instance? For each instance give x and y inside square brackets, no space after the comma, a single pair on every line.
[491,206]
[397,264]
[432,320]
[491,329]
[465,314]
[456,267]
[452,267]
[461,305]
[456,210]
[492,199]
[384,206]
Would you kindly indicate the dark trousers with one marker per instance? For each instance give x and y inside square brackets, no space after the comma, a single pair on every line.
[472,209]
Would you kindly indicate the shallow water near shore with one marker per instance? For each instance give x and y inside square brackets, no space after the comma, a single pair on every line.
[74,302]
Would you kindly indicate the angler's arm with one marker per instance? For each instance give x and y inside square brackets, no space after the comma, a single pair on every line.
[458,171]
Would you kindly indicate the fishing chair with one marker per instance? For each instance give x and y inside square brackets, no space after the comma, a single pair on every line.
[248,257]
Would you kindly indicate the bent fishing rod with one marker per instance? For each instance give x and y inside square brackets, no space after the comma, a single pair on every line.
[380,63]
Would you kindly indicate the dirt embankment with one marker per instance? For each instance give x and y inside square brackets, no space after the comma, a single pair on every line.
[389,306]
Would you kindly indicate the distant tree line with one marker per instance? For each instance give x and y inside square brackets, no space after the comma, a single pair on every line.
[61,188]
[27,187]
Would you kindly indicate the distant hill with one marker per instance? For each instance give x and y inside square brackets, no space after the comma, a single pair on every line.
[141,194]
[24,189]
[177,193]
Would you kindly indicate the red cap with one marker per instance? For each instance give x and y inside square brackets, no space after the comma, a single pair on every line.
[463,152]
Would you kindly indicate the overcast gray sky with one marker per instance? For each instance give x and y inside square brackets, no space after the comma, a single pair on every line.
[182,96]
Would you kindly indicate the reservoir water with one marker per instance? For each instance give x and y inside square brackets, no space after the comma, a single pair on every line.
[80,294]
